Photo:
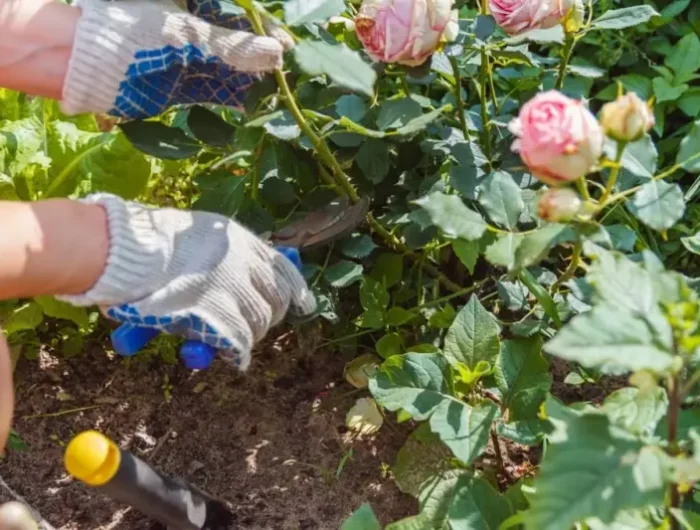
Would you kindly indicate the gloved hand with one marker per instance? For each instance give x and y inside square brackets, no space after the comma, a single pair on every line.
[135,58]
[194,274]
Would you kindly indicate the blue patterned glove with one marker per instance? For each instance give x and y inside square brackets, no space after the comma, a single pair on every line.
[135,58]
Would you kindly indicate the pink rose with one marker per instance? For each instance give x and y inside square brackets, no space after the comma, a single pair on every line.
[402,31]
[517,16]
[558,137]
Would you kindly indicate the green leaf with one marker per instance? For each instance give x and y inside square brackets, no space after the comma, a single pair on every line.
[420,458]
[58,309]
[342,65]
[525,432]
[363,518]
[421,384]
[442,318]
[451,215]
[159,140]
[684,59]
[398,316]
[373,160]
[209,128]
[690,102]
[665,91]
[282,125]
[351,106]
[502,252]
[390,344]
[636,411]
[299,12]
[625,17]
[396,113]
[535,245]
[388,269]
[467,252]
[688,520]
[222,193]
[689,152]
[358,246]
[343,273]
[607,337]
[542,296]
[27,316]
[473,336]
[522,377]
[373,295]
[658,204]
[501,198]
[692,243]
[477,506]
[422,121]
[591,468]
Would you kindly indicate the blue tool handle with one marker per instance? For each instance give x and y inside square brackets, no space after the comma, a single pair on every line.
[128,339]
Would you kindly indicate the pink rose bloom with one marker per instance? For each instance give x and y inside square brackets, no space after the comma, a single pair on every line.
[558,137]
[402,31]
[517,16]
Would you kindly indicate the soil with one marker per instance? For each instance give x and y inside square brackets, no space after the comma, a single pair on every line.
[272,444]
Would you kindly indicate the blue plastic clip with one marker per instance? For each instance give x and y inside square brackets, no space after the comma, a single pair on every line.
[128,339]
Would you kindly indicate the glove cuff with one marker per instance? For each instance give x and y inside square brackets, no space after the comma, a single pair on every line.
[100,58]
[137,255]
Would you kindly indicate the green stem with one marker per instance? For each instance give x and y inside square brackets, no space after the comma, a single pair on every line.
[582,186]
[569,43]
[485,120]
[458,95]
[674,407]
[571,269]
[614,172]
[337,172]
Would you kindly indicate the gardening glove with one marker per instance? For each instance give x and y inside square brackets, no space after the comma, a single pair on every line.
[194,274]
[135,58]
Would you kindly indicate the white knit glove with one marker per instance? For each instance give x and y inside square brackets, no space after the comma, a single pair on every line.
[135,58]
[195,274]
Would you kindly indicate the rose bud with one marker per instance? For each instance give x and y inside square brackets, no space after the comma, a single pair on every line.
[559,204]
[627,119]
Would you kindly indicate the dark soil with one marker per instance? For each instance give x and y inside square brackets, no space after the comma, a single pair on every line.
[272,444]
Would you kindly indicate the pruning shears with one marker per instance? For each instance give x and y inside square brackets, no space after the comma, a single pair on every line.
[319,227]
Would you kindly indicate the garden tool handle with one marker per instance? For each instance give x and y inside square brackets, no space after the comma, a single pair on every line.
[98,462]
[129,339]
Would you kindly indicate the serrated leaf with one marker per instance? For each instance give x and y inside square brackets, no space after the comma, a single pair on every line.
[358,246]
[209,127]
[373,160]
[282,125]
[502,252]
[607,337]
[473,336]
[396,113]
[342,65]
[222,193]
[625,17]
[343,273]
[684,59]
[351,106]
[373,295]
[658,204]
[636,411]
[362,519]
[535,245]
[452,217]
[692,243]
[522,377]
[421,384]
[159,140]
[592,468]
[665,91]
[689,152]
[467,252]
[300,12]
[501,198]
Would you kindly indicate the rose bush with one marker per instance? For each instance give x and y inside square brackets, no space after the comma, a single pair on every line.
[403,31]
[489,292]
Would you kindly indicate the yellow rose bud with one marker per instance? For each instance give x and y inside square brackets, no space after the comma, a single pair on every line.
[627,119]
[559,204]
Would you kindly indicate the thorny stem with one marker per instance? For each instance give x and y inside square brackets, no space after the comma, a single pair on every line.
[337,172]
[614,172]
[485,122]
[458,96]
[571,269]
[582,186]
[569,43]
[674,405]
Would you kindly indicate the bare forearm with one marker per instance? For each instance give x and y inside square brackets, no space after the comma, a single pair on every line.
[35,45]
[55,246]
